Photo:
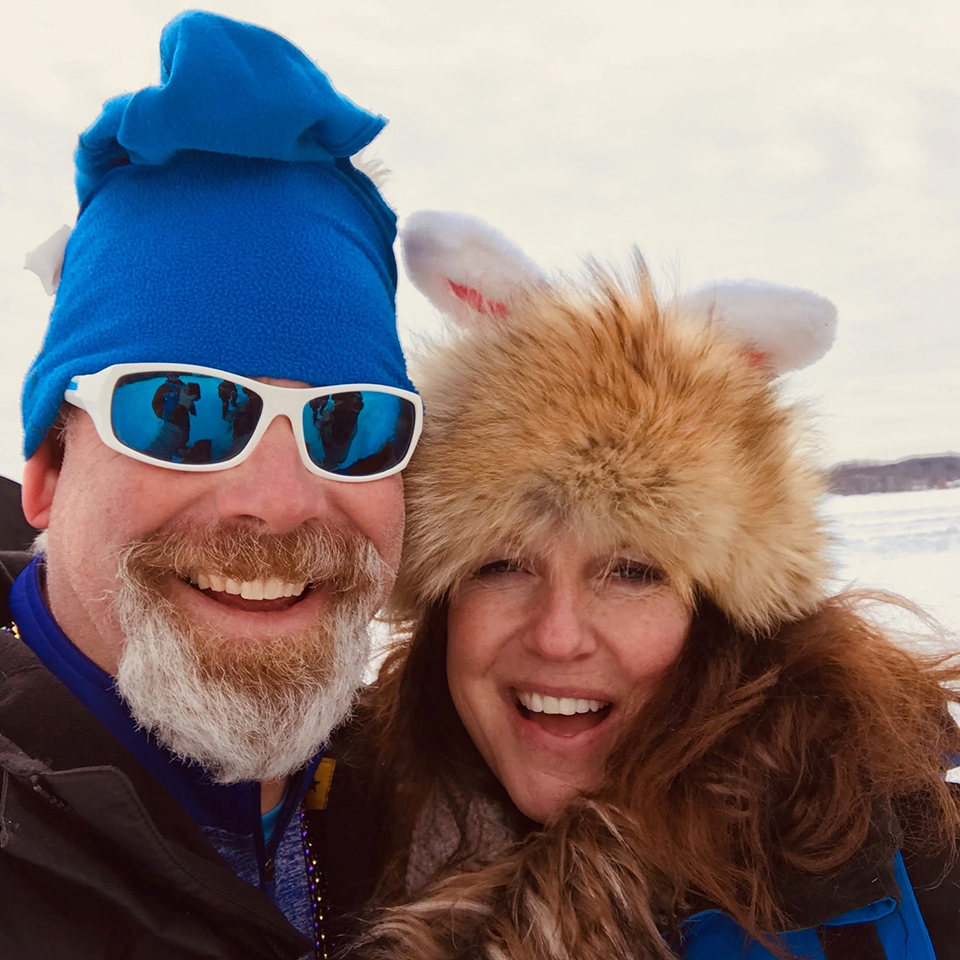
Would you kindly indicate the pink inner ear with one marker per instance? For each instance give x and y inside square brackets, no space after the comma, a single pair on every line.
[757,358]
[475,299]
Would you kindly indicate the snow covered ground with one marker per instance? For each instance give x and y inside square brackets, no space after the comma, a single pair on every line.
[905,542]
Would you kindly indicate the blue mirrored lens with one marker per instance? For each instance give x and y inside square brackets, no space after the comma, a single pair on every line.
[358,433]
[181,417]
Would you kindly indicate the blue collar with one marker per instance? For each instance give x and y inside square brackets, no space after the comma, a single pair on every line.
[235,808]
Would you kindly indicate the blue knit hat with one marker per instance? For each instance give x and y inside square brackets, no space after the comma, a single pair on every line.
[222,223]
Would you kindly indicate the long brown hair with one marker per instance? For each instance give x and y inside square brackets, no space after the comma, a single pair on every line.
[757,759]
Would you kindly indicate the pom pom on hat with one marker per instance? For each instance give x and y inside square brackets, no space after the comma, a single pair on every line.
[225,87]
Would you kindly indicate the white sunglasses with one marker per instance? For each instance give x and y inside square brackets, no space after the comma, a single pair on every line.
[185,417]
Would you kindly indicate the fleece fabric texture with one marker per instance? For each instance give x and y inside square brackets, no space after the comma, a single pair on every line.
[289,889]
[222,223]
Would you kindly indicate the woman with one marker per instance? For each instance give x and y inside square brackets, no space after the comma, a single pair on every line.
[628,720]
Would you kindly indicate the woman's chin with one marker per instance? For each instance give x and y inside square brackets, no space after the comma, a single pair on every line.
[541,799]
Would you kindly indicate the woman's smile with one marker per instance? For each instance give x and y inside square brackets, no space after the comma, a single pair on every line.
[544,717]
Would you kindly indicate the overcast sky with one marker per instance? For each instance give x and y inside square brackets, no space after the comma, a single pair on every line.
[814,144]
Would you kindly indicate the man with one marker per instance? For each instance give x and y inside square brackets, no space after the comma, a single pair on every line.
[173,663]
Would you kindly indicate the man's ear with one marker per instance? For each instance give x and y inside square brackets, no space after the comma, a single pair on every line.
[40,475]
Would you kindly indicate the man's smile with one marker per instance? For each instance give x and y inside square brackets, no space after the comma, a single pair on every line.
[269,595]
[269,588]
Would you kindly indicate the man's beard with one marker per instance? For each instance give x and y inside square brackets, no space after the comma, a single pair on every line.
[243,707]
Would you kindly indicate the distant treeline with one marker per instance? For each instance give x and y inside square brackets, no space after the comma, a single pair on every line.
[914,473]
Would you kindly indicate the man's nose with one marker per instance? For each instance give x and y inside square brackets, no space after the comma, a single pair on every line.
[559,627]
[272,485]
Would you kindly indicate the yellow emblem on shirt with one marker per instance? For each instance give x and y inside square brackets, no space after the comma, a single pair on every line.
[319,792]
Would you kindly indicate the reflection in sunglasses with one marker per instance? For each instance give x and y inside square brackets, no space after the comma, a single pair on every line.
[206,419]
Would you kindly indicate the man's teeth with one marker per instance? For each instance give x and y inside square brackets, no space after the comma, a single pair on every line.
[272,588]
[567,706]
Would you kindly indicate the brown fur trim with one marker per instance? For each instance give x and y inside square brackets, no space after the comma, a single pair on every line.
[598,412]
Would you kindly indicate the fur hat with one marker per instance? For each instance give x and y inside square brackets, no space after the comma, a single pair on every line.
[599,410]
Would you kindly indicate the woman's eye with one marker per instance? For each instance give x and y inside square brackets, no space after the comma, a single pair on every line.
[496,567]
[633,571]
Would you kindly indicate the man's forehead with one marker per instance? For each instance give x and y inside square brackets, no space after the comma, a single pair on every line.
[281,382]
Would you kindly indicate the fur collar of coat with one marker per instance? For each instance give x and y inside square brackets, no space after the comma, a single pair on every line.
[580,889]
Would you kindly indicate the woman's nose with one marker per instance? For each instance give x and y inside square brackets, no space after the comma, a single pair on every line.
[559,627]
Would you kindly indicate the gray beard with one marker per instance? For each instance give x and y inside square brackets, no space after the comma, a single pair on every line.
[235,727]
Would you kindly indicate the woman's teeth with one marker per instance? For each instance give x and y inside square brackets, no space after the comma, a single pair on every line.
[567,706]
[272,588]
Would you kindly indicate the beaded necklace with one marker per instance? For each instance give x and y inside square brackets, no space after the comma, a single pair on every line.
[311,824]
[315,877]
[316,882]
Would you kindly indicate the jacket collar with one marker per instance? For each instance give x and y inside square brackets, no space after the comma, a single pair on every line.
[868,878]
[46,732]
[863,889]
[117,832]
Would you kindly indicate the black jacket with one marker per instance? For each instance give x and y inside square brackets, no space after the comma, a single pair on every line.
[15,532]
[97,859]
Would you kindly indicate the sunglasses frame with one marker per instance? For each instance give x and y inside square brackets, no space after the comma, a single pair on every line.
[93,393]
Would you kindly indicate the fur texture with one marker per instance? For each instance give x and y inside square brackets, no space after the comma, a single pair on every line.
[579,890]
[599,411]
[373,167]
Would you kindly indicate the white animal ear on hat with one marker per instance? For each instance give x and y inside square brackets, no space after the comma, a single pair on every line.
[463,266]
[46,261]
[781,328]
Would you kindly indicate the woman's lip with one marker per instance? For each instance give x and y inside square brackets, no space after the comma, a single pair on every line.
[533,735]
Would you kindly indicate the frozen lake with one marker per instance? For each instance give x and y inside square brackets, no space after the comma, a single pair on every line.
[905,542]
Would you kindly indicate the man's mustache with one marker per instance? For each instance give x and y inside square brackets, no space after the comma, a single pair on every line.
[342,562]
